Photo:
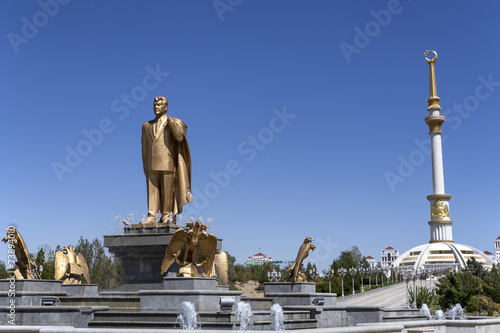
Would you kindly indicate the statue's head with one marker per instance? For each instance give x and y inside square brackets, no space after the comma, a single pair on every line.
[160,106]
[308,240]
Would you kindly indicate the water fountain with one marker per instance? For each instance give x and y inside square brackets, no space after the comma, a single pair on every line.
[244,315]
[439,315]
[455,312]
[277,318]
[188,318]
[424,310]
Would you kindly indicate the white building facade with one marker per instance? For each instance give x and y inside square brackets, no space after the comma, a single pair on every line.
[258,259]
[371,261]
[388,256]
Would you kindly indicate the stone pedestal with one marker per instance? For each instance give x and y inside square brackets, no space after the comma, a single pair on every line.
[142,249]
[202,292]
[35,302]
[30,292]
[79,290]
[303,294]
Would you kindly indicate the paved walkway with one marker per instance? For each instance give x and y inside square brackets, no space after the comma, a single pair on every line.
[393,296]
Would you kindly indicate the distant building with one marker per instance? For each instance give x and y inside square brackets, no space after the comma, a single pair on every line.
[371,261]
[388,256]
[258,259]
[497,250]
[489,254]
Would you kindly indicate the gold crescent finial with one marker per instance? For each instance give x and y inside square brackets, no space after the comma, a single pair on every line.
[433,100]
[433,59]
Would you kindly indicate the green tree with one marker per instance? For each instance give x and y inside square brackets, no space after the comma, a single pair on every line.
[351,258]
[103,270]
[45,258]
[348,258]
[456,288]
[3,270]
[491,284]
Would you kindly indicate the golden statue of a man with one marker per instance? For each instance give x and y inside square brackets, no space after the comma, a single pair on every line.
[167,164]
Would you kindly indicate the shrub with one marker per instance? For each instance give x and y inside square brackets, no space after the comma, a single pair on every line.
[420,295]
[480,303]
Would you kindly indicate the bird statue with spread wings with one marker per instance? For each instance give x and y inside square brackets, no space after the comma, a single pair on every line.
[26,269]
[71,267]
[294,269]
[183,247]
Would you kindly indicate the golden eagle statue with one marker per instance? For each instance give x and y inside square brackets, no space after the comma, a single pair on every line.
[26,269]
[294,269]
[183,247]
[71,267]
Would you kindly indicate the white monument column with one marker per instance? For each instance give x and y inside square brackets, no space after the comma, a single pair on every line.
[440,222]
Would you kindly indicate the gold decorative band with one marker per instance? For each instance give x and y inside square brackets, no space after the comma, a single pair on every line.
[439,197]
[433,103]
[450,222]
[442,241]
[435,123]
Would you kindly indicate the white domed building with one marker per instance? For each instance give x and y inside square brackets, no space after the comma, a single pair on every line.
[441,252]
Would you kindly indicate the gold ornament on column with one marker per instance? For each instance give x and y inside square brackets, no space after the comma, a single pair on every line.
[440,210]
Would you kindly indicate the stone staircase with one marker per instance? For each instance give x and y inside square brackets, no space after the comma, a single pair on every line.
[118,301]
[219,321]
[392,315]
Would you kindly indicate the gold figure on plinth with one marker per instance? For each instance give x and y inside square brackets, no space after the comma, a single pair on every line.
[70,267]
[294,270]
[26,269]
[220,267]
[167,164]
[440,210]
[183,247]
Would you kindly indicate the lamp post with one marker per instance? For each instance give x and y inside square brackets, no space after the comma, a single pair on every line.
[352,271]
[383,272]
[274,276]
[329,275]
[431,275]
[313,273]
[377,269]
[342,272]
[425,271]
[369,270]
[413,276]
[361,273]
[407,280]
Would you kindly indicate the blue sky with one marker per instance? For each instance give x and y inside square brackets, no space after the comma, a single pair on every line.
[317,109]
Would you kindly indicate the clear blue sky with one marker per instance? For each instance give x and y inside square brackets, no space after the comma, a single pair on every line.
[311,103]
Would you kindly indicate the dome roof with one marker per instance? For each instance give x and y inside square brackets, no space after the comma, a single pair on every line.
[442,255]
